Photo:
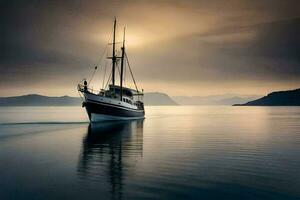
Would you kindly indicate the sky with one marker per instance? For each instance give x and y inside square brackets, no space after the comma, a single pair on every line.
[191,48]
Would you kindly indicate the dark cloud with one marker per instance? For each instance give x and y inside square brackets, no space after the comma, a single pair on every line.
[271,54]
[280,39]
[184,41]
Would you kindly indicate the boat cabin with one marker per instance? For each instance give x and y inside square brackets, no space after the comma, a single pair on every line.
[116,89]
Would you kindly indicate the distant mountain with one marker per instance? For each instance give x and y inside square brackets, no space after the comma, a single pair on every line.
[280,98]
[40,100]
[227,99]
[157,98]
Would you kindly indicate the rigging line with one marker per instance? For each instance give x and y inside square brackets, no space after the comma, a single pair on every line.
[118,69]
[131,73]
[103,52]
[104,74]
[93,75]
[98,63]
[109,78]
[106,47]
[101,58]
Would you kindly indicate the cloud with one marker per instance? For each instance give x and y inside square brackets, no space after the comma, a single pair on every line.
[203,43]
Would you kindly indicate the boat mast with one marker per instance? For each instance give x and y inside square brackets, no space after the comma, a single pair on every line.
[122,66]
[114,53]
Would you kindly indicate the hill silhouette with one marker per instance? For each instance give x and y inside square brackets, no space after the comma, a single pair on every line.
[280,98]
[158,98]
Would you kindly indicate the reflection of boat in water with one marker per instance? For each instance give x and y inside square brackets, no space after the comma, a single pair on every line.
[109,153]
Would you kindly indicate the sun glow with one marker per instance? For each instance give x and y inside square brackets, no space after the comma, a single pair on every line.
[133,40]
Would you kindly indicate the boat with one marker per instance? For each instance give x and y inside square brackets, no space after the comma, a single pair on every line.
[113,101]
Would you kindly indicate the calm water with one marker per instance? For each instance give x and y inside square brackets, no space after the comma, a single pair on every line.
[175,153]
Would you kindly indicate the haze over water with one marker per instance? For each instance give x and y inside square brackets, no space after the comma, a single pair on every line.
[180,152]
